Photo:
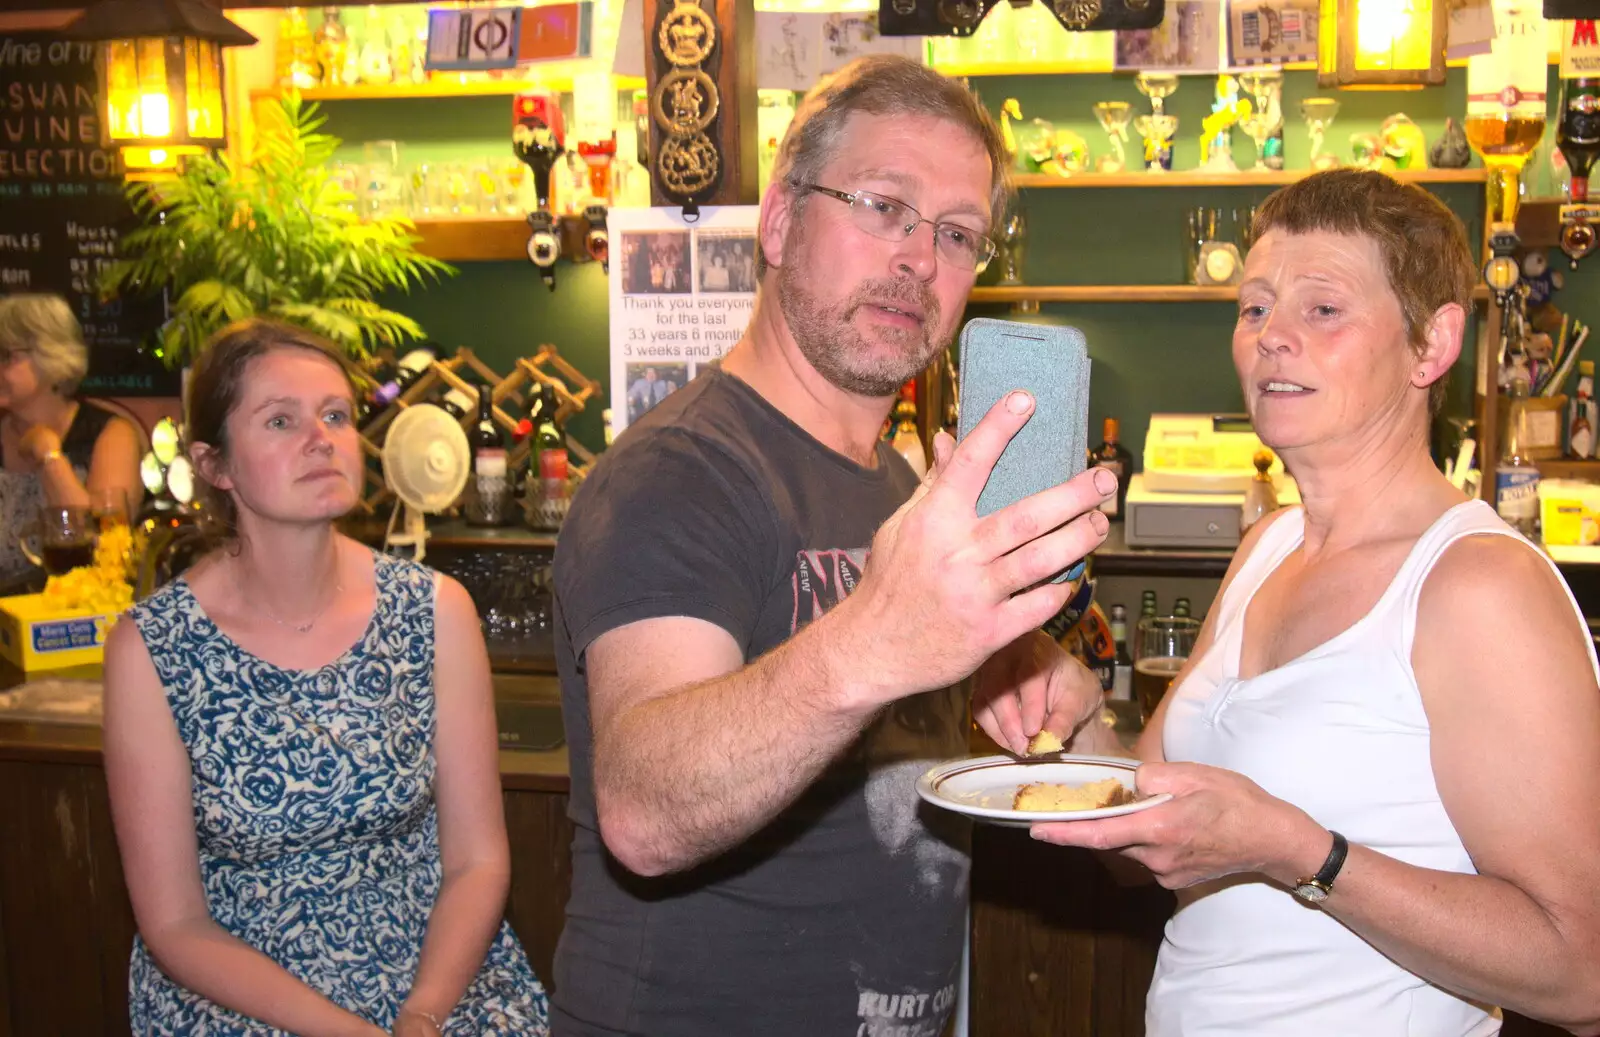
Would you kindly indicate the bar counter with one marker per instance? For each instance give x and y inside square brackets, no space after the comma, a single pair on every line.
[1059,949]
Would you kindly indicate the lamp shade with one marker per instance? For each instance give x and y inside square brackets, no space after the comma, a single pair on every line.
[160,75]
[133,19]
[1381,44]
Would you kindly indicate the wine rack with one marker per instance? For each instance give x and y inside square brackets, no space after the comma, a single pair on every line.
[573,390]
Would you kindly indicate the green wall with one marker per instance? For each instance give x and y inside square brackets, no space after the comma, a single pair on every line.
[1147,357]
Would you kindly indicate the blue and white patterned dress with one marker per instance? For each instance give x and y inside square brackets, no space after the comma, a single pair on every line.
[313,804]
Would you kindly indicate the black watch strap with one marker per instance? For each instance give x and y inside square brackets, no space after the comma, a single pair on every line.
[1335,861]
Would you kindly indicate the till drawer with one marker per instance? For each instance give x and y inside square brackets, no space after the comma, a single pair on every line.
[1182,524]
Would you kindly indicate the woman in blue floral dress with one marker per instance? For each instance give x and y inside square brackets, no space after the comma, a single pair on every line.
[301,751]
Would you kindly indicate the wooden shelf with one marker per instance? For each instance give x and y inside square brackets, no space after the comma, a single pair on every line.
[486,238]
[1123,293]
[1197,178]
[1563,468]
[444,86]
[959,69]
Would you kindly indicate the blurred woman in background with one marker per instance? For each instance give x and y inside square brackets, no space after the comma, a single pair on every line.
[56,450]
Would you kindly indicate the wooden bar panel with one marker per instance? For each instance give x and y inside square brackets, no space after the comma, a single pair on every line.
[67,927]
[113,913]
[5,987]
[1058,948]
[541,874]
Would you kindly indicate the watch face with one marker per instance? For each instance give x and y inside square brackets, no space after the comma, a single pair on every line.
[1311,893]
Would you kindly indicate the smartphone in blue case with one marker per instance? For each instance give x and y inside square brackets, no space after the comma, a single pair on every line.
[1050,362]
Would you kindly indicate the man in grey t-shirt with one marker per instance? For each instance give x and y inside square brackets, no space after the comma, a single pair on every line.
[761,615]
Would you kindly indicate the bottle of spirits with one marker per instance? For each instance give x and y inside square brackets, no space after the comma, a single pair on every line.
[488,487]
[1516,477]
[1260,497]
[1578,136]
[905,441]
[295,57]
[1147,604]
[1111,455]
[1581,414]
[1181,607]
[331,41]
[1122,675]
[1506,100]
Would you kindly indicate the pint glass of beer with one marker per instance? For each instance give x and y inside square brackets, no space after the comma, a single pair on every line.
[1164,644]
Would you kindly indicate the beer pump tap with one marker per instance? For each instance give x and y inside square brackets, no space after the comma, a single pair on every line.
[1503,274]
[544,245]
[536,139]
[598,241]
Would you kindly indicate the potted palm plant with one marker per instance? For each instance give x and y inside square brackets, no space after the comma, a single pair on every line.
[277,237]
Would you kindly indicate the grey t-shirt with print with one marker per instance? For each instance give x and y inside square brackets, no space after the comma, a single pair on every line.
[844,915]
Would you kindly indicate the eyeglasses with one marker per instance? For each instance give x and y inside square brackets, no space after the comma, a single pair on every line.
[894,220]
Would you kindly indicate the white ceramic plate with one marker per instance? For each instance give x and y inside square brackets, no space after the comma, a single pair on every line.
[984,788]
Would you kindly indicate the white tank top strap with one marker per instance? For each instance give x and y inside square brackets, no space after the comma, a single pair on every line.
[1469,518]
[1281,537]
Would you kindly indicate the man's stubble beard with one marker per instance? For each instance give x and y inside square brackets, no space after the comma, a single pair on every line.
[831,343]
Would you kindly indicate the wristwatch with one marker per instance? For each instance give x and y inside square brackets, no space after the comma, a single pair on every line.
[1315,890]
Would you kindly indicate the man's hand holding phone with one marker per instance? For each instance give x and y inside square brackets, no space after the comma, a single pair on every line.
[945,589]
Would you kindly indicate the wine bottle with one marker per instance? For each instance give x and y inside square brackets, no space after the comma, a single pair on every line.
[457,403]
[1578,135]
[552,448]
[488,488]
[411,367]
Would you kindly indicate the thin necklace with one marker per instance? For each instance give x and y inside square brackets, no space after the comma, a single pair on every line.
[299,628]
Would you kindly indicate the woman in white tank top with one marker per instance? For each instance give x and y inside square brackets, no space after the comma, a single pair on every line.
[1389,662]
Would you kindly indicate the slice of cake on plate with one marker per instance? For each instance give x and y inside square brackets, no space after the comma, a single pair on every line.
[1107,792]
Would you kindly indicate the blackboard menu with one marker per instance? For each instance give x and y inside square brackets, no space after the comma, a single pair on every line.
[62,210]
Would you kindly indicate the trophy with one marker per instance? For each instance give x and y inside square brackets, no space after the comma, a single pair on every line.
[1114,116]
[1266,119]
[1157,128]
[1216,129]
[1319,113]
[1013,245]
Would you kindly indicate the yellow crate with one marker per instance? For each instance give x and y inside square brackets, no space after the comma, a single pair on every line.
[35,636]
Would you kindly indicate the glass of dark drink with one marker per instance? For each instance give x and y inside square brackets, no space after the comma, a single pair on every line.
[65,537]
[1163,646]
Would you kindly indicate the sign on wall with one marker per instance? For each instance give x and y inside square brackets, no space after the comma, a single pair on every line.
[681,296]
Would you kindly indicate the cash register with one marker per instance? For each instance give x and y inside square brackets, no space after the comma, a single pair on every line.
[1196,469]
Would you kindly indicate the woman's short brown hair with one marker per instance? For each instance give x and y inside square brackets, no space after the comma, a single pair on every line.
[217,382]
[883,84]
[1426,255]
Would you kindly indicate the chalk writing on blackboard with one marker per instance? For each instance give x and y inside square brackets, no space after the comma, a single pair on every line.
[62,208]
